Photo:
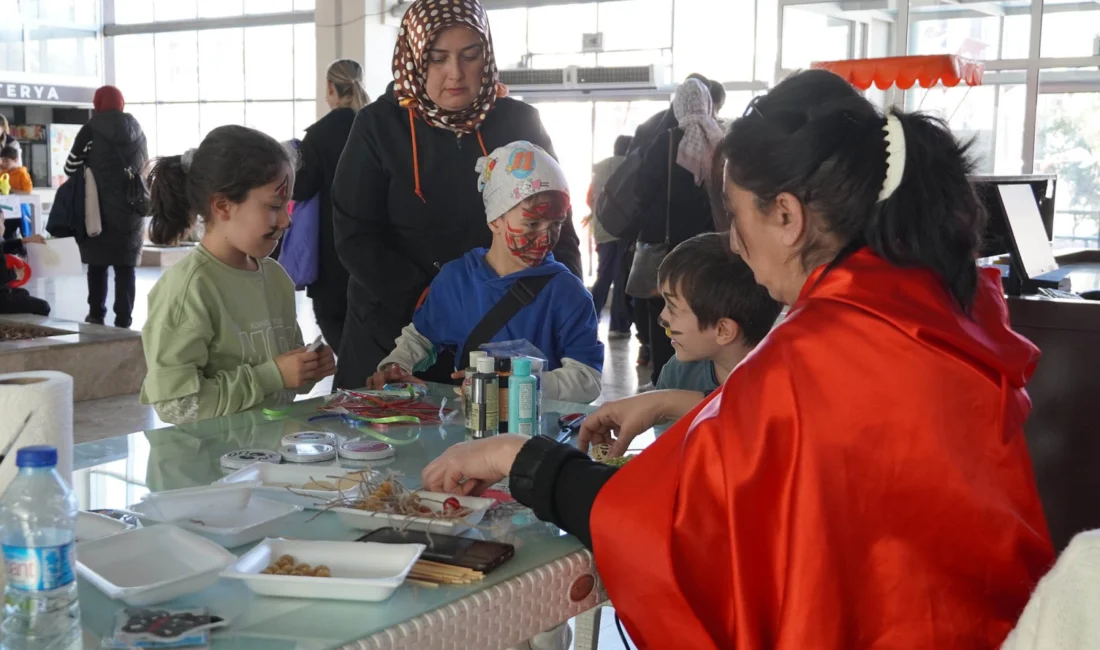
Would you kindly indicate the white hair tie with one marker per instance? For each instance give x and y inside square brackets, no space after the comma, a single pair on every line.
[187,158]
[894,135]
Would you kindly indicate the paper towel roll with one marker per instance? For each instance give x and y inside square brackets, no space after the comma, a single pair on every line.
[46,396]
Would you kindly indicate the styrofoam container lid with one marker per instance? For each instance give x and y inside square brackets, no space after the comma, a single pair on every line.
[362,449]
[245,457]
[151,565]
[309,452]
[306,437]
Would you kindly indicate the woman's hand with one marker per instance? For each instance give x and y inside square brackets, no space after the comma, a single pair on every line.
[391,374]
[618,423]
[471,467]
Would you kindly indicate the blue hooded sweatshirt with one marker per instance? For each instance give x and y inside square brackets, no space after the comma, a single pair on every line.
[561,322]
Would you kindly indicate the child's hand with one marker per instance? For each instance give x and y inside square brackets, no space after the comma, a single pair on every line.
[461,389]
[298,367]
[391,374]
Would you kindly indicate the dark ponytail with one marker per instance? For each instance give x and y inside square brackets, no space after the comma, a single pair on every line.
[172,215]
[231,161]
[814,136]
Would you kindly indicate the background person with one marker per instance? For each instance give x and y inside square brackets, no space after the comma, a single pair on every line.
[112,145]
[678,202]
[609,249]
[868,456]
[18,175]
[320,154]
[404,199]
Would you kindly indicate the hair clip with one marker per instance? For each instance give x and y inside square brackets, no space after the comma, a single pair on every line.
[753,106]
[894,135]
[187,158]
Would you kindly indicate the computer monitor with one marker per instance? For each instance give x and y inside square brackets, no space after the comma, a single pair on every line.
[996,241]
[1030,247]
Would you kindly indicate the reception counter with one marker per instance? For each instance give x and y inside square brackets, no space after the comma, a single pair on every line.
[1063,431]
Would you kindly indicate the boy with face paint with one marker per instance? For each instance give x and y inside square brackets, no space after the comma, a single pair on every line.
[526,202]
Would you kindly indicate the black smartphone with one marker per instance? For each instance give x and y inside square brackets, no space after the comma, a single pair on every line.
[459,551]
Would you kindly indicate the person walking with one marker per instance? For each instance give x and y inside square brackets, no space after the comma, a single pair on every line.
[403,199]
[609,248]
[113,146]
[320,154]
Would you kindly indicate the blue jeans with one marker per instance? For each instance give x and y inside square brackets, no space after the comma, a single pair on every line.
[607,282]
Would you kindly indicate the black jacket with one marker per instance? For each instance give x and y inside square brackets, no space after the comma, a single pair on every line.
[320,153]
[392,242]
[109,143]
[690,212]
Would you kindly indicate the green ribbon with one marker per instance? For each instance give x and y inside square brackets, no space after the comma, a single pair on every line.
[395,419]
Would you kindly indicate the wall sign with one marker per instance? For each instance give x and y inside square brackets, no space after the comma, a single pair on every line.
[32,93]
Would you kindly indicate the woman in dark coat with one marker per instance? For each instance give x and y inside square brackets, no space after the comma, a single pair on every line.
[405,199]
[692,140]
[112,145]
[320,152]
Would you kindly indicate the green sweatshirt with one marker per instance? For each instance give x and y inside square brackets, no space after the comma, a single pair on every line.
[212,335]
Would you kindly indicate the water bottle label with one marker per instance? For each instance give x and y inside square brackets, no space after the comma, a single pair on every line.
[44,568]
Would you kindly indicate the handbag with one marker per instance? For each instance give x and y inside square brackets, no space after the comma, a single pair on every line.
[642,281]
[301,247]
[93,221]
[617,209]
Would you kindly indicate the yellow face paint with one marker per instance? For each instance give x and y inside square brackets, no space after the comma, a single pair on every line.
[668,332]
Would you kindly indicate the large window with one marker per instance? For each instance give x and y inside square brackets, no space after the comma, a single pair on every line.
[51,37]
[183,84]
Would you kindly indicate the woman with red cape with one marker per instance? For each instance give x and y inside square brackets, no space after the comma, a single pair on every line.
[861,480]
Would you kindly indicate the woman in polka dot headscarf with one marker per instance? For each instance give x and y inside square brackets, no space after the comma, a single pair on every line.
[443,66]
[405,195]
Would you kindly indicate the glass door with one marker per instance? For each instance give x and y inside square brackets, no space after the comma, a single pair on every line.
[584,133]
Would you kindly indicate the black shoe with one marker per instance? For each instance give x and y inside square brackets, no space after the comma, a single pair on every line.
[644,357]
[92,320]
[124,324]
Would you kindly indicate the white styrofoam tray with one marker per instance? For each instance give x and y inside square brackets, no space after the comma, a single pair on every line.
[368,520]
[281,481]
[361,571]
[231,516]
[92,525]
[151,565]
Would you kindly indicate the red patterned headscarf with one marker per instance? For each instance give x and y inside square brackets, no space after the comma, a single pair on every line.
[419,28]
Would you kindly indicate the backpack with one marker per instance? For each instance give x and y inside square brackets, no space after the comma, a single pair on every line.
[617,208]
[301,248]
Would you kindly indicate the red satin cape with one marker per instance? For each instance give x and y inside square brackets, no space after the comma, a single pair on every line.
[860,481]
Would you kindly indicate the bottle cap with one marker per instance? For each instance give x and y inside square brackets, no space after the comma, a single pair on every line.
[474,356]
[362,449]
[521,367]
[245,457]
[504,364]
[487,365]
[37,456]
[307,453]
[306,437]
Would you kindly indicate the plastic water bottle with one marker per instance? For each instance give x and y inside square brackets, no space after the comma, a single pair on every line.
[38,515]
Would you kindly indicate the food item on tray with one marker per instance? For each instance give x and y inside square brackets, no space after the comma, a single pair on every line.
[286,565]
[390,496]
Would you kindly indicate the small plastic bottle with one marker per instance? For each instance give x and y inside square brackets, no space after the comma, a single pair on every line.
[470,370]
[504,371]
[522,398]
[484,400]
[38,514]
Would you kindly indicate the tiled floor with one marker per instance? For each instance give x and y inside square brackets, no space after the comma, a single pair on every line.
[118,415]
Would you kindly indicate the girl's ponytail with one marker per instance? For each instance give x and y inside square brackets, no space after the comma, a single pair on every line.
[169,205]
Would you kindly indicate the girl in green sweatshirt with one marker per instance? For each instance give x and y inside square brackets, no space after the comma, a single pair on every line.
[222,334]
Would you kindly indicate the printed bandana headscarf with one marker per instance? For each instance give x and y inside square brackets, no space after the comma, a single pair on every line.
[422,23]
[694,110]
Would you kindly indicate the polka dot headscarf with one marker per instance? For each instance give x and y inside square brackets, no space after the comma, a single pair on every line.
[422,23]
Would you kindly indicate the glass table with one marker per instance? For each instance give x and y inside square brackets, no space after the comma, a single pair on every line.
[551,578]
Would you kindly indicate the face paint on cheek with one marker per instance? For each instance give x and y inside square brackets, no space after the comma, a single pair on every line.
[532,249]
[283,187]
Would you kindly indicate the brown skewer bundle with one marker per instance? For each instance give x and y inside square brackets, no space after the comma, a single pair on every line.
[428,573]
